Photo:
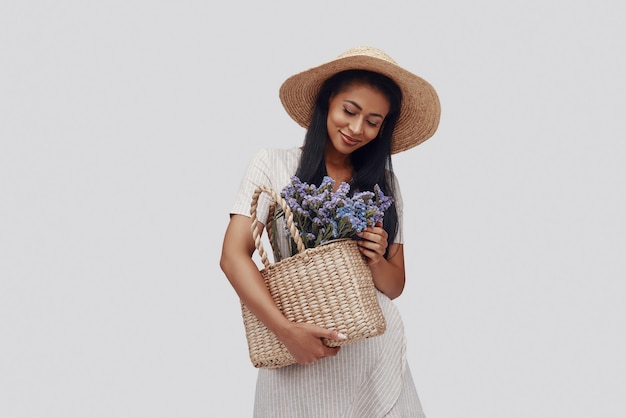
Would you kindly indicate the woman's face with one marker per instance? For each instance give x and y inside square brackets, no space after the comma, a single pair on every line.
[355,116]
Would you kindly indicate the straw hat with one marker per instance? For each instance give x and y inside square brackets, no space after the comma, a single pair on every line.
[419,114]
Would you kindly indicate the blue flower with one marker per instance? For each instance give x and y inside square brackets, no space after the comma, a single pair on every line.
[321,214]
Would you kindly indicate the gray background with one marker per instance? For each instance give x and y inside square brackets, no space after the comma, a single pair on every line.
[125,128]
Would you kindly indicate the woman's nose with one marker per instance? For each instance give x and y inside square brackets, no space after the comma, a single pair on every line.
[356,126]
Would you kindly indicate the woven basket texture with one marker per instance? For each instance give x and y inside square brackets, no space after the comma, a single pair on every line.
[330,285]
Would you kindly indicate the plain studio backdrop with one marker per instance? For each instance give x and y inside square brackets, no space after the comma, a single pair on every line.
[125,128]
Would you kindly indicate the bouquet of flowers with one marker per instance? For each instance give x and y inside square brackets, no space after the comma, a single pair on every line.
[329,285]
[322,215]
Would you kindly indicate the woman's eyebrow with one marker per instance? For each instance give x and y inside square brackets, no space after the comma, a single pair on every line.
[360,108]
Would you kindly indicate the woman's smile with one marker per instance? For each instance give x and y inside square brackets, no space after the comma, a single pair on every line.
[355,116]
[348,139]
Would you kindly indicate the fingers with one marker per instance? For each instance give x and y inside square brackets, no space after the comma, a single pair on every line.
[331,335]
[374,233]
[335,335]
[331,351]
[374,242]
[308,346]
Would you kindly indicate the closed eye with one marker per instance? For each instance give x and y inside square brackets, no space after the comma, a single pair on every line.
[351,113]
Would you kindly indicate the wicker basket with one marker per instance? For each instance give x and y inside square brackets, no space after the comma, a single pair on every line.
[330,286]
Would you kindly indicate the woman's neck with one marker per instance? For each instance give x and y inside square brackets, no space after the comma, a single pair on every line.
[338,167]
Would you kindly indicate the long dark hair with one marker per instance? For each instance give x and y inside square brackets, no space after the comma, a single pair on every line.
[371,163]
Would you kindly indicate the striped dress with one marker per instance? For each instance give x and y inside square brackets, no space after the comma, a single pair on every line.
[368,378]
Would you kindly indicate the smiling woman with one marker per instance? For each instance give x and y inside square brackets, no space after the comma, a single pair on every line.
[358,110]
[355,116]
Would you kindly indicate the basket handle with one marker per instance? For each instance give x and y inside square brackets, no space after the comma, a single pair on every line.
[256,231]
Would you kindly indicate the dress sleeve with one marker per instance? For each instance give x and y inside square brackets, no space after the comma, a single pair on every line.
[256,174]
[399,208]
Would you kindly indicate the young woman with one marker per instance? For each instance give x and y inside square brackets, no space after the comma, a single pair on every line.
[358,109]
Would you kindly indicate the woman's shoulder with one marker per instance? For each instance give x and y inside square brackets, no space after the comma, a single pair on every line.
[272,156]
[279,152]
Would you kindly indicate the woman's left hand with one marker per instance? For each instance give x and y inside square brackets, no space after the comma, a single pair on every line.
[373,243]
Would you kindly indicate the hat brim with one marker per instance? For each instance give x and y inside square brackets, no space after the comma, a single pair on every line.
[419,113]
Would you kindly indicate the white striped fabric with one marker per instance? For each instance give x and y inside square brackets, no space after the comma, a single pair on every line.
[369,378]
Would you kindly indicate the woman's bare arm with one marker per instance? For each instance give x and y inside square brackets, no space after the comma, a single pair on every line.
[302,340]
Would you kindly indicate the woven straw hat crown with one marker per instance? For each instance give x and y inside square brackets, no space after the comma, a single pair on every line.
[420,110]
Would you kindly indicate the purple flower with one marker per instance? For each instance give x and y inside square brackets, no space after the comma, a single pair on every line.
[321,214]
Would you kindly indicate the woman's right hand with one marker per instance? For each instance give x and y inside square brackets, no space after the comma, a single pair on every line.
[304,342]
